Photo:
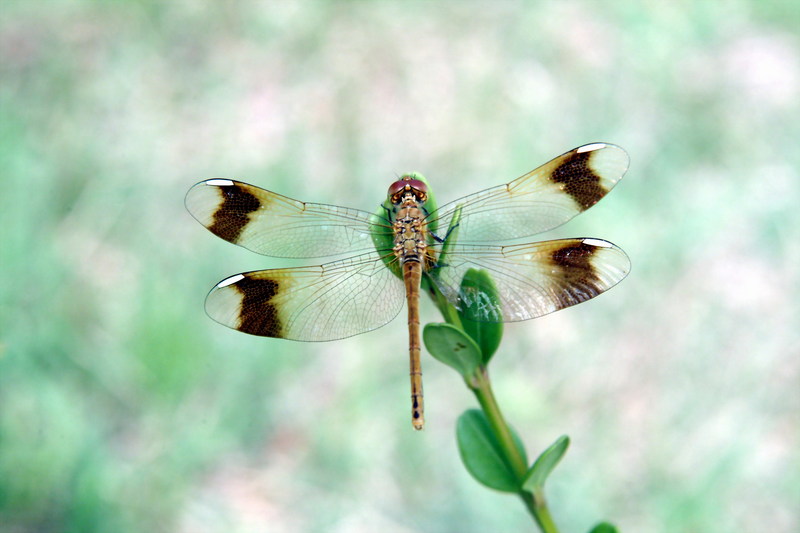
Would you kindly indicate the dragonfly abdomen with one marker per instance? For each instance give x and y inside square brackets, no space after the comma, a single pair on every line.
[412,275]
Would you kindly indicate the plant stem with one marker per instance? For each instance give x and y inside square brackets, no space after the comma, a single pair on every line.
[542,515]
[483,391]
[481,386]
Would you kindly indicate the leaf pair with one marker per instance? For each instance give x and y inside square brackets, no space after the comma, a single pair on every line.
[483,457]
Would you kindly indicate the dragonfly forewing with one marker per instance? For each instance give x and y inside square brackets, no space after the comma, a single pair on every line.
[541,199]
[272,224]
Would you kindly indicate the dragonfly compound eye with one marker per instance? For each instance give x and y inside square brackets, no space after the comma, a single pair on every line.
[418,186]
[396,191]
[397,187]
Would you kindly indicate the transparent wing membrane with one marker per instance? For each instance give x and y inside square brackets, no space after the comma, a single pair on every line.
[318,303]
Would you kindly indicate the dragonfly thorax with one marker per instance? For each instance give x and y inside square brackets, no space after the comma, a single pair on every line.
[409,231]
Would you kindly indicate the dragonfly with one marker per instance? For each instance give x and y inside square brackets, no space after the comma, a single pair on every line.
[410,242]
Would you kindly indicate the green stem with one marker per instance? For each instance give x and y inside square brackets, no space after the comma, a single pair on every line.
[542,515]
[481,386]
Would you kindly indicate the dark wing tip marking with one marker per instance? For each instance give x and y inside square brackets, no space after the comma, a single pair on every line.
[581,279]
[578,178]
[232,215]
[257,315]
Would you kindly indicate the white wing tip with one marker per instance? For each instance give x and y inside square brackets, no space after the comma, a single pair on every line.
[591,147]
[230,281]
[218,182]
[597,242]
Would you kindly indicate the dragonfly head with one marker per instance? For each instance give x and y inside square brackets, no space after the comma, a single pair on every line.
[407,185]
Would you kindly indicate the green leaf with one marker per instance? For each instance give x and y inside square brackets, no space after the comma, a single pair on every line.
[452,347]
[480,315]
[544,465]
[383,238]
[429,282]
[430,205]
[481,453]
[604,527]
[450,238]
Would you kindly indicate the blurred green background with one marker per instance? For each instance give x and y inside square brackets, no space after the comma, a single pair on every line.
[124,408]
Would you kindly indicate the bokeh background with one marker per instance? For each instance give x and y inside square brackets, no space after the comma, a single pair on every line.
[124,408]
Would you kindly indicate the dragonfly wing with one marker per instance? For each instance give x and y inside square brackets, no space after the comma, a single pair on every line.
[271,224]
[541,199]
[531,279]
[319,303]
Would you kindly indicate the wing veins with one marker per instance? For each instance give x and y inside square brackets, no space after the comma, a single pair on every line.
[343,271]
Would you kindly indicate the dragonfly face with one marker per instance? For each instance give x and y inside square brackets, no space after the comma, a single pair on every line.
[414,239]
[408,185]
